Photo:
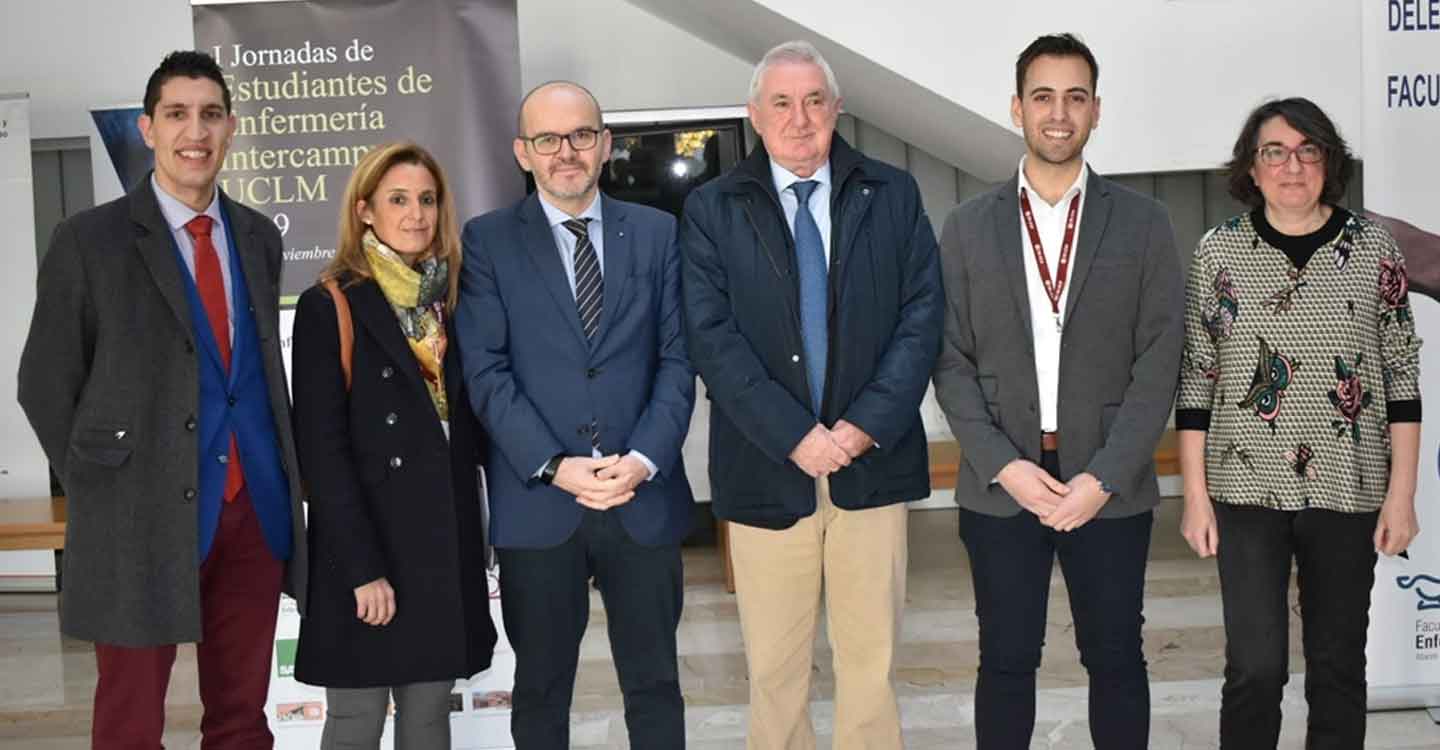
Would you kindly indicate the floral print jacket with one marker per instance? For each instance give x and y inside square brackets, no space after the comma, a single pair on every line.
[1296,367]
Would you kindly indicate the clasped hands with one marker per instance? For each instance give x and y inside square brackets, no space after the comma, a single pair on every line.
[824,451]
[601,483]
[1063,506]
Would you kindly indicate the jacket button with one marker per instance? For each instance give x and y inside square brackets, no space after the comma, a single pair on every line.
[189,347]
[391,418]
[223,458]
[190,424]
[583,429]
[794,357]
[591,373]
[396,462]
[189,494]
[232,401]
[386,372]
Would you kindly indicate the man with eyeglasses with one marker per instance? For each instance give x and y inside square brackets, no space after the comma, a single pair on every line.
[570,333]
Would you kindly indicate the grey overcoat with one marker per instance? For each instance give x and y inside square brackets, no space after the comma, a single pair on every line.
[111,343]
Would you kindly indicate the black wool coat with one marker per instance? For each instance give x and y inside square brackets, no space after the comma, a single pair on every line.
[389,497]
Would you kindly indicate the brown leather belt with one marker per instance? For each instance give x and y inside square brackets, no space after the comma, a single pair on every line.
[1050,441]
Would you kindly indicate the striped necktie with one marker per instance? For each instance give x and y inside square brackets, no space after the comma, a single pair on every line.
[589,282]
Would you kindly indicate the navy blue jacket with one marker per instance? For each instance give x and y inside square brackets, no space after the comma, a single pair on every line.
[742,317]
[538,386]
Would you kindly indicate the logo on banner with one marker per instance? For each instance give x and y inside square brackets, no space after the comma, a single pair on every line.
[1427,628]
[285,656]
[1429,597]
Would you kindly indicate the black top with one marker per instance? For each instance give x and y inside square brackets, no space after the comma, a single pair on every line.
[1300,247]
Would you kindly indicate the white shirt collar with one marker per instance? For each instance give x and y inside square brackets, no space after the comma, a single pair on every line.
[176,213]
[784,178]
[556,217]
[1075,186]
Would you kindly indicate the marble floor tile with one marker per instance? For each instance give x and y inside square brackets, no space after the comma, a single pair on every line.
[47,681]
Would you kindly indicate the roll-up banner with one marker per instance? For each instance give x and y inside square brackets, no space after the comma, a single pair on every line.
[24,472]
[314,86]
[1401,149]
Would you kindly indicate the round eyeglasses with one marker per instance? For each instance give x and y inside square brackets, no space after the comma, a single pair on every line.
[547,144]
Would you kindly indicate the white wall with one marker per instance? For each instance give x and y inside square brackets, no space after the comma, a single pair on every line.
[1177,77]
[72,55]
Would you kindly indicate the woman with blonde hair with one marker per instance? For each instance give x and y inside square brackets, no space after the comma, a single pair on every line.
[389,451]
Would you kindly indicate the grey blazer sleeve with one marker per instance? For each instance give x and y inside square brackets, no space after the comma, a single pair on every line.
[1159,339]
[957,385]
[55,363]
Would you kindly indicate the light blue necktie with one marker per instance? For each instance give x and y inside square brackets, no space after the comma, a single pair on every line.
[814,285]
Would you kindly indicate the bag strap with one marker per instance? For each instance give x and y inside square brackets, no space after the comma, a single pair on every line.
[347,327]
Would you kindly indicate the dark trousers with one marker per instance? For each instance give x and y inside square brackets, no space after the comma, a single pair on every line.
[545,599]
[240,585]
[1335,556]
[1104,567]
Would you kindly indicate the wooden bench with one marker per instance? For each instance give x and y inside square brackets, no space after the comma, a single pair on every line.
[39,522]
[944,467]
[32,523]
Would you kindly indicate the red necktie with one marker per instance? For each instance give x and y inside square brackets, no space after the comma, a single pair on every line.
[212,295]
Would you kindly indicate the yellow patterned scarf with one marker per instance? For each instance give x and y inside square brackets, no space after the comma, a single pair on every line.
[418,296]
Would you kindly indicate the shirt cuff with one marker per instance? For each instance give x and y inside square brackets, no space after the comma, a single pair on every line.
[1192,419]
[648,463]
[1402,411]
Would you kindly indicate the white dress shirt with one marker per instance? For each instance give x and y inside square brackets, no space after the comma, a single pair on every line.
[1050,223]
[566,242]
[177,215]
[819,199]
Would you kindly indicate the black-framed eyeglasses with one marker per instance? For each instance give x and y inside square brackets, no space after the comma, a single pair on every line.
[547,144]
[1275,154]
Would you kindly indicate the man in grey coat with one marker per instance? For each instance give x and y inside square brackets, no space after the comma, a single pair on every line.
[1063,330]
[152,377]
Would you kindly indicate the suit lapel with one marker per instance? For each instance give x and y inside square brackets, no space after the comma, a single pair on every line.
[369,309]
[1007,240]
[253,265]
[1095,216]
[157,250]
[540,246]
[619,256]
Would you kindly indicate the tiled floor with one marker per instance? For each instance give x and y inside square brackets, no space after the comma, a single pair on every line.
[46,681]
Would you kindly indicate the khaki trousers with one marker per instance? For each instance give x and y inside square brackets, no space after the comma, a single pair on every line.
[858,559]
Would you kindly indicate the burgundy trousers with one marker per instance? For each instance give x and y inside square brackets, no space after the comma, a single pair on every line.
[240,585]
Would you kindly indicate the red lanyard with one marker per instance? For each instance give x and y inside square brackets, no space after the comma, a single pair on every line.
[1053,289]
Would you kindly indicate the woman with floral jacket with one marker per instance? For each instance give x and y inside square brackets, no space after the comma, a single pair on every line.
[1299,422]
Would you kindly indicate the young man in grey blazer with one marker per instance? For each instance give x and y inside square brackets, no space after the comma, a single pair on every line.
[1063,329]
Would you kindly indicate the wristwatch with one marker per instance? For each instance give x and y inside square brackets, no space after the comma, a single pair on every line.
[547,474]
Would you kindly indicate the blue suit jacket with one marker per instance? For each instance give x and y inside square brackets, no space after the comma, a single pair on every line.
[237,402]
[537,384]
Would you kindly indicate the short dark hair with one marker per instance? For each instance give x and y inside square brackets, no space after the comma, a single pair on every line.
[1312,122]
[1058,45]
[184,64]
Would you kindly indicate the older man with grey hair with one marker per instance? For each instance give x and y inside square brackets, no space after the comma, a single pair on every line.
[813,305]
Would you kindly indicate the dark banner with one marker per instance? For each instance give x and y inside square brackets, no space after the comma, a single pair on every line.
[316,84]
